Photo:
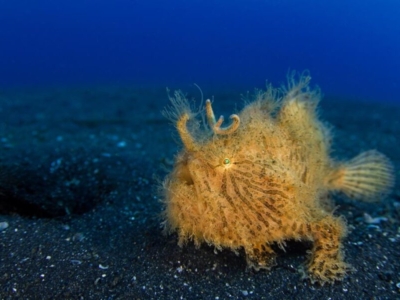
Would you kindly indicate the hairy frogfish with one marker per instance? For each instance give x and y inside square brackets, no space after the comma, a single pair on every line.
[266,178]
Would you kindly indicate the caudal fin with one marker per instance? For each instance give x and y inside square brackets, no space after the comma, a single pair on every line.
[368,177]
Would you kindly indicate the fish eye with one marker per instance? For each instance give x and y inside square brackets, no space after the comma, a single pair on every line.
[227,161]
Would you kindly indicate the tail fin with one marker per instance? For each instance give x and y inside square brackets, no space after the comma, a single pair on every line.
[368,177]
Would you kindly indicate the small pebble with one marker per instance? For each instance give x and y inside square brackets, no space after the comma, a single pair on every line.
[121,144]
[103,267]
[3,225]
[370,220]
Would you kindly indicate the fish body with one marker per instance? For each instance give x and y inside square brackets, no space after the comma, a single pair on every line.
[266,179]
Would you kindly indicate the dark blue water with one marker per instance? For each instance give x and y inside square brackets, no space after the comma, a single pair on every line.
[351,48]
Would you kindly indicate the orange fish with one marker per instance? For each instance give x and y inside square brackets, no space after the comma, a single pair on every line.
[266,179]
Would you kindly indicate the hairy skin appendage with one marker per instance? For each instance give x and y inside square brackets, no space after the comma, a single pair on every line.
[266,179]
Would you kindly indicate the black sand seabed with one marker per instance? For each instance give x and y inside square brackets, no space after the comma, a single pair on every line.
[79,206]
